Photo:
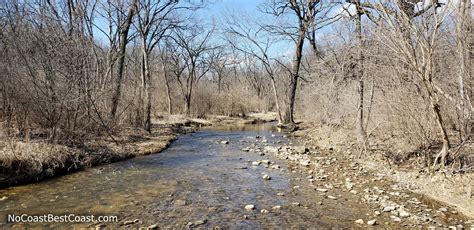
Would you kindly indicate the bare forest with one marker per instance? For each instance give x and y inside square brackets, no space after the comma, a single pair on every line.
[90,82]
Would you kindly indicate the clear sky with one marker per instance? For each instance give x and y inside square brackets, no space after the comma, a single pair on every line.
[218,10]
[240,5]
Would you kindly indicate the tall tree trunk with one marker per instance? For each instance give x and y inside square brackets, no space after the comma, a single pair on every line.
[168,90]
[187,105]
[147,88]
[121,59]
[289,118]
[361,133]
[148,107]
[189,91]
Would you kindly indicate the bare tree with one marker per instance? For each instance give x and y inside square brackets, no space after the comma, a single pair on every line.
[258,46]
[465,42]
[414,43]
[309,14]
[194,46]
[154,20]
[124,29]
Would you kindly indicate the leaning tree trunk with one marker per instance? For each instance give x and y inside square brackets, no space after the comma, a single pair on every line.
[277,103]
[289,118]
[121,60]
[436,108]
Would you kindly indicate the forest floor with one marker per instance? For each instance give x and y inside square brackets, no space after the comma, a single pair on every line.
[453,189]
[38,159]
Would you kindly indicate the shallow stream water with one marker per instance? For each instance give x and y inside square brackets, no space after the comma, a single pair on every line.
[198,181]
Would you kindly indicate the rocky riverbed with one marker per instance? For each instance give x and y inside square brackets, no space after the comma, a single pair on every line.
[241,177]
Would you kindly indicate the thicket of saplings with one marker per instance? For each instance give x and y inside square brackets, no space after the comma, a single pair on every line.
[393,82]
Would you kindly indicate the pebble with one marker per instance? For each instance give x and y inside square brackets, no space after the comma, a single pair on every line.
[296,204]
[129,222]
[280,194]
[372,222]
[264,211]
[359,221]
[225,142]
[256,163]
[276,207]
[396,219]
[180,202]
[275,166]
[152,227]
[443,209]
[200,222]
[403,213]
[3,198]
[249,207]
[388,208]
[321,190]
[331,197]
[300,149]
[266,177]
[305,163]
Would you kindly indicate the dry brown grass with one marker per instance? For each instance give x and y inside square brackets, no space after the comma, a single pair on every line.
[22,162]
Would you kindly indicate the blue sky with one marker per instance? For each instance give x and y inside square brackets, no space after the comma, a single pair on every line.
[240,5]
[219,9]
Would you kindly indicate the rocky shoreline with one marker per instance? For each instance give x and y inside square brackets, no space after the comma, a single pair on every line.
[336,175]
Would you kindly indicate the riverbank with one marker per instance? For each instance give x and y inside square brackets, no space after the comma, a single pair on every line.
[28,162]
[454,190]
[22,162]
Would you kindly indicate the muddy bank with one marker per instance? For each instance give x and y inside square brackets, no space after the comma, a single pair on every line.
[454,190]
